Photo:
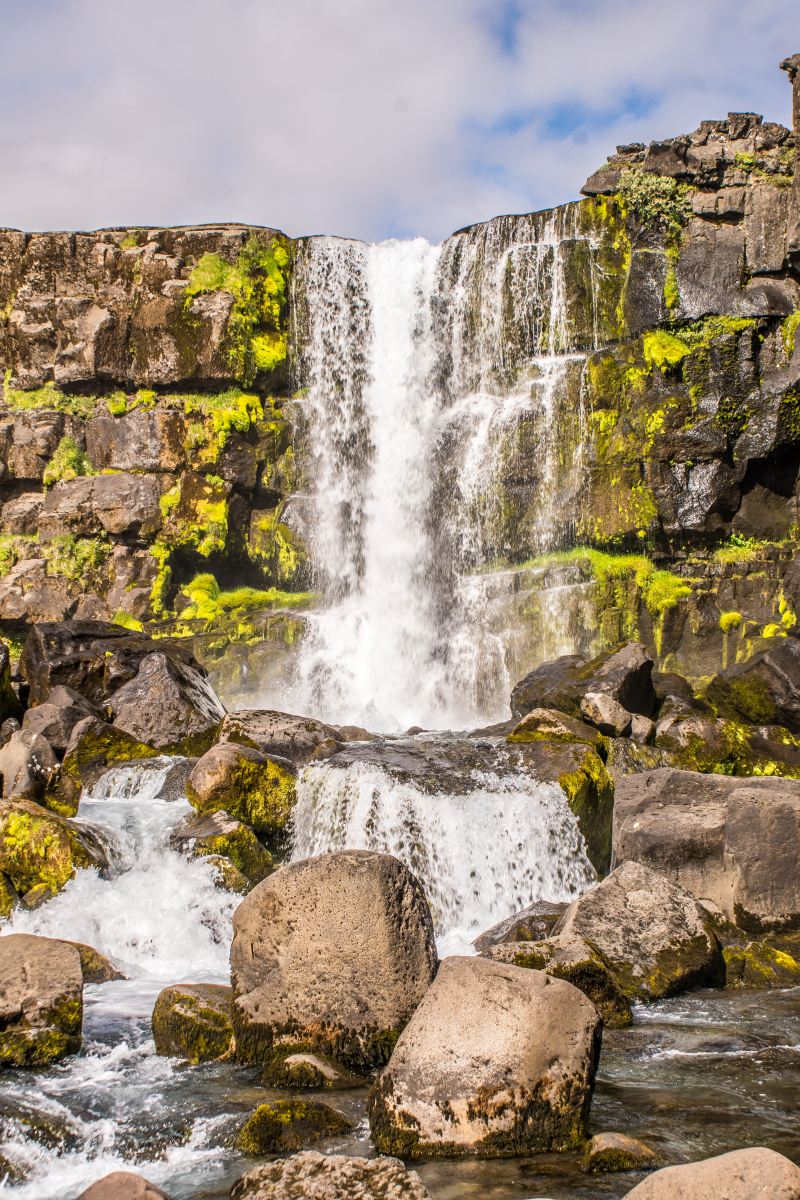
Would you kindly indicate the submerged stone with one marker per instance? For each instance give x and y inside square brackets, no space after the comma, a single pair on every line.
[288,1125]
[737,1175]
[193,1021]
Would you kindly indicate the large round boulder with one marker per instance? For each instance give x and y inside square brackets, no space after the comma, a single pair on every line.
[657,939]
[330,955]
[497,1060]
[313,1176]
[752,1174]
[255,789]
[41,1000]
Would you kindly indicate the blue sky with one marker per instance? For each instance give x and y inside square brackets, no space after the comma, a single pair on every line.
[365,118]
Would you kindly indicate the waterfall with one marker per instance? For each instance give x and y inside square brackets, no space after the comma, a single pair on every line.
[443,392]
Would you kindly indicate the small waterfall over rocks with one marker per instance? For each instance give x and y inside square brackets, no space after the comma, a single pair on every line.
[442,388]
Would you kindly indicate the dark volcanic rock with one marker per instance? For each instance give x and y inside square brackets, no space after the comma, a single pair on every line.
[169,706]
[531,924]
[766,689]
[300,739]
[624,674]
[117,504]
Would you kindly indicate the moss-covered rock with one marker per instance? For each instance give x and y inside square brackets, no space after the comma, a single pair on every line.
[287,1125]
[580,963]
[297,1067]
[93,749]
[95,968]
[192,1021]
[618,1152]
[41,1000]
[38,847]
[8,896]
[229,877]
[218,833]
[255,789]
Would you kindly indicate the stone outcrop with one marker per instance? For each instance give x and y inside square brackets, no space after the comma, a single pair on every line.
[193,1021]
[332,955]
[286,1125]
[255,789]
[579,962]
[738,1175]
[123,1185]
[765,690]
[41,1000]
[495,1061]
[40,851]
[732,841]
[656,938]
[216,834]
[313,1176]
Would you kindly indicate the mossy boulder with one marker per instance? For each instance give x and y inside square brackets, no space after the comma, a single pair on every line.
[550,725]
[95,968]
[297,1067]
[229,877]
[193,1021]
[618,1152]
[287,1125]
[41,1000]
[255,789]
[218,833]
[765,690]
[496,1061]
[624,674]
[94,747]
[656,938]
[40,848]
[629,757]
[580,963]
[580,772]
[756,965]
[721,746]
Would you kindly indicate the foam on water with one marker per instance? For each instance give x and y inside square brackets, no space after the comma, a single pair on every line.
[479,856]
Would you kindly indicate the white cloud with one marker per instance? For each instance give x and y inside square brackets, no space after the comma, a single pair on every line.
[359,117]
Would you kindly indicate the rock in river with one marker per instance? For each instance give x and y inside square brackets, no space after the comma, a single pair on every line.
[219,834]
[123,1185]
[39,848]
[288,1125]
[752,1174]
[250,786]
[169,706]
[313,1176]
[41,1000]
[193,1021]
[658,940]
[496,1060]
[330,955]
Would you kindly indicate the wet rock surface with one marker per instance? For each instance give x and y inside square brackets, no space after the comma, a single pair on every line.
[317,1177]
[530,924]
[495,1061]
[331,955]
[219,834]
[39,849]
[658,940]
[250,786]
[41,1000]
[193,1021]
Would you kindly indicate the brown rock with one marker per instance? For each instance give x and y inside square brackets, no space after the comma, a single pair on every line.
[496,1061]
[618,1152]
[123,1185]
[193,1021]
[28,765]
[313,1176]
[331,954]
[169,706]
[752,1174]
[603,711]
[300,739]
[531,924]
[95,968]
[138,441]
[41,1000]
[21,513]
[250,786]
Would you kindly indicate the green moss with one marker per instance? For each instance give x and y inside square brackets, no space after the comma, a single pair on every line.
[210,604]
[160,590]
[195,515]
[729,621]
[117,404]
[655,200]
[36,1048]
[68,462]
[77,558]
[244,850]
[663,350]
[789,330]
[287,1125]
[127,621]
[760,966]
[38,849]
[256,339]
[48,397]
[194,1024]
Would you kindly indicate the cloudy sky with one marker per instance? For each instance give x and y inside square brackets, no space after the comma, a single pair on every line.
[366,118]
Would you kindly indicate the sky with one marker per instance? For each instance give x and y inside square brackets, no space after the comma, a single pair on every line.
[363,118]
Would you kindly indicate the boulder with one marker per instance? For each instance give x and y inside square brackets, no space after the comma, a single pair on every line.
[289,1069]
[331,955]
[733,841]
[38,847]
[618,1152]
[577,961]
[169,706]
[193,1021]
[765,690]
[624,674]
[250,786]
[288,1125]
[752,1174]
[28,765]
[629,757]
[21,514]
[53,722]
[93,658]
[313,1176]
[642,729]
[116,504]
[41,1000]
[531,924]
[657,939]
[300,739]
[496,1061]
[550,725]
[600,709]
[8,896]
[756,964]
[123,1185]
[93,748]
[95,968]
[215,834]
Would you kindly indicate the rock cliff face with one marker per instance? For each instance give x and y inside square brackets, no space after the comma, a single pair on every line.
[154,431]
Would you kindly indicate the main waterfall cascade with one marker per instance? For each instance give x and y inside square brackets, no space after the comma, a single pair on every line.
[420,366]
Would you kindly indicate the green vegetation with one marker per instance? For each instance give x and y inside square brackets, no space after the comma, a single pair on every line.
[729,621]
[48,397]
[75,557]
[256,340]
[789,330]
[662,349]
[209,603]
[127,621]
[68,462]
[227,410]
[655,199]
